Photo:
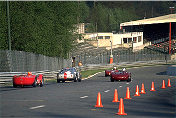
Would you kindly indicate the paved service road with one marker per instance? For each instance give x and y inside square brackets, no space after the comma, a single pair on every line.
[77,100]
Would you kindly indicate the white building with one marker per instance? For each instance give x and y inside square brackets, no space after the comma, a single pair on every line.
[133,39]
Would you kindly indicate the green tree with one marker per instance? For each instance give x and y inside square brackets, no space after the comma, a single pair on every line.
[3,26]
[41,27]
[122,15]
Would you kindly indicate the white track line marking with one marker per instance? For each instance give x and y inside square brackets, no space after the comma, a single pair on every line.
[127,83]
[120,86]
[37,107]
[83,97]
[92,75]
[106,91]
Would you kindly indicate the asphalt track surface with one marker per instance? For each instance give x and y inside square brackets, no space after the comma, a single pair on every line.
[77,99]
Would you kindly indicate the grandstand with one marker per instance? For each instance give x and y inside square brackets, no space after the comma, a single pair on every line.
[164,46]
[155,30]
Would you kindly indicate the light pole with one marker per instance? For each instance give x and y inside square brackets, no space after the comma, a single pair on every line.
[111,56]
[97,40]
[171,9]
[170,38]
[170,25]
[8,17]
[132,45]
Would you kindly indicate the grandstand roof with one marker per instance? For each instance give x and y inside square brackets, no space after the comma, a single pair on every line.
[156,20]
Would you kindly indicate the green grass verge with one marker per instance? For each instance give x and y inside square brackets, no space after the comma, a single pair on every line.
[87,73]
[50,80]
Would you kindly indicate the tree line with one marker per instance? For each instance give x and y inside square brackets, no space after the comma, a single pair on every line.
[48,28]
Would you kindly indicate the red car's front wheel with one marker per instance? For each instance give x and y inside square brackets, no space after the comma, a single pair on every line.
[42,82]
[112,80]
[14,85]
[35,82]
[129,79]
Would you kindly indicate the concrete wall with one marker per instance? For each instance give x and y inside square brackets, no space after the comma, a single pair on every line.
[117,39]
[173,57]
[93,42]
[137,48]
[104,42]
[90,36]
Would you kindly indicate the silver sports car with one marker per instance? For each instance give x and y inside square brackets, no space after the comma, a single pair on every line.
[68,74]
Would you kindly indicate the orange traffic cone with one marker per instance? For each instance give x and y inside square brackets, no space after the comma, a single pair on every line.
[137,91]
[168,84]
[142,89]
[163,85]
[121,108]
[115,96]
[99,104]
[127,94]
[152,88]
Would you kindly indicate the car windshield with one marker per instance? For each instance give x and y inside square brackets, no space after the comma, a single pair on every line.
[66,69]
[119,72]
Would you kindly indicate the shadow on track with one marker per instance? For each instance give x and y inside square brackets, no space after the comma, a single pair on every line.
[162,73]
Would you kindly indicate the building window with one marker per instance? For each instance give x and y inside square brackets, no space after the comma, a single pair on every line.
[100,37]
[139,38]
[134,39]
[129,40]
[124,40]
[107,37]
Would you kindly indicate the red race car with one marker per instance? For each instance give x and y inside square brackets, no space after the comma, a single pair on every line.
[108,72]
[120,75]
[28,80]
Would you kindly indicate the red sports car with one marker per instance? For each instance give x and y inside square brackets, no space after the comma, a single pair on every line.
[108,72]
[120,75]
[28,80]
